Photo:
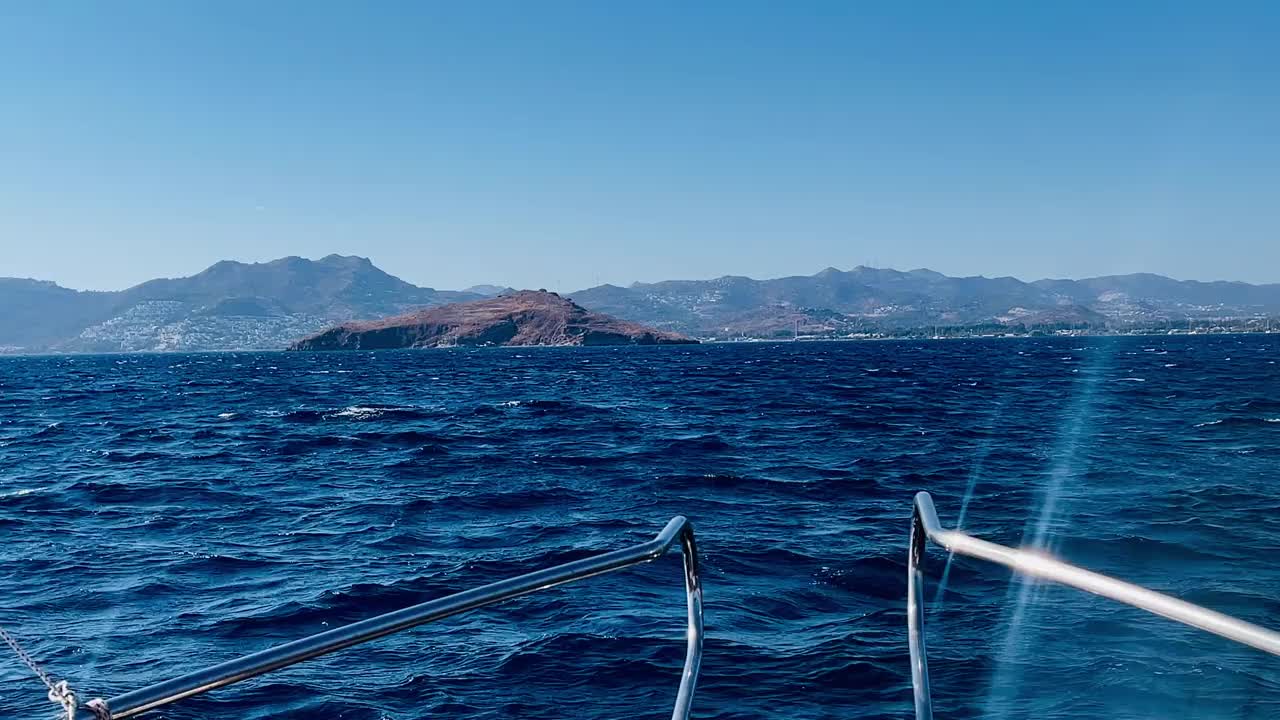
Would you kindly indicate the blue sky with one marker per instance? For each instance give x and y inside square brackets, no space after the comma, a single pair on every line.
[555,144]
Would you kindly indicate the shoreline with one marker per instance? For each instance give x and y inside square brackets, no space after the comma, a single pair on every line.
[702,342]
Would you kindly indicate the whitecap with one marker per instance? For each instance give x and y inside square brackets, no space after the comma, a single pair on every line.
[1271,420]
[360,412]
[226,415]
[21,492]
[1207,424]
[1131,379]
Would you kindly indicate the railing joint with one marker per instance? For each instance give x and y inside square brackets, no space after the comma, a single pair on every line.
[926,527]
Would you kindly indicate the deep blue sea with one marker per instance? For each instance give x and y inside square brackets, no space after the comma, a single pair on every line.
[163,512]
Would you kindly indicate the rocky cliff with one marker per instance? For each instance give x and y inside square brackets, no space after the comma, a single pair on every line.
[518,318]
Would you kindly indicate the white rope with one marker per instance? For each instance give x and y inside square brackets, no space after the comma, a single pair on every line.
[99,709]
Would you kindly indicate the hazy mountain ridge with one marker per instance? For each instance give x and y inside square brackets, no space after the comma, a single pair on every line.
[36,313]
[863,299]
[228,306]
[233,305]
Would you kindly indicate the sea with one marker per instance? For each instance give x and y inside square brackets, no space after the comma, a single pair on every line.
[160,513]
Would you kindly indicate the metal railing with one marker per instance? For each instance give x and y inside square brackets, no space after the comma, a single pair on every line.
[925,527]
[201,681]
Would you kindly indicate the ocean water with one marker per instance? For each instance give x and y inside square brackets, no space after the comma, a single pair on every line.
[163,512]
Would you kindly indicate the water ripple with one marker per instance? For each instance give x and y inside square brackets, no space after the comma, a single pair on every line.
[171,511]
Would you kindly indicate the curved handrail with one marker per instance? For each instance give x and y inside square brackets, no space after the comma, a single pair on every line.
[926,527]
[678,529]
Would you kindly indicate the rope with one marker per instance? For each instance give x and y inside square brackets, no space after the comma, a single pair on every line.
[99,709]
[59,692]
[27,660]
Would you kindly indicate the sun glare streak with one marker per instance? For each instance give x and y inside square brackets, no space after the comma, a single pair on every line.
[1076,428]
[979,466]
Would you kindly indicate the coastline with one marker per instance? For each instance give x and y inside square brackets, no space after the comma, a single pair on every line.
[701,341]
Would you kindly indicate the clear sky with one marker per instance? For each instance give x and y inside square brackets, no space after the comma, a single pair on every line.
[560,145]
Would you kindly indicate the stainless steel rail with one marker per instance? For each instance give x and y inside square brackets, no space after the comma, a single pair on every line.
[678,529]
[925,527]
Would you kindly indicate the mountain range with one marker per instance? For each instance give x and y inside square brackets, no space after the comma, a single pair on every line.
[871,299]
[234,305]
[230,305]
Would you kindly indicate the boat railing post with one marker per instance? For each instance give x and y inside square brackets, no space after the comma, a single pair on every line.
[920,692]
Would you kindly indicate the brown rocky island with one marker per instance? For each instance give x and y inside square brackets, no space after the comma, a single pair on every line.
[520,318]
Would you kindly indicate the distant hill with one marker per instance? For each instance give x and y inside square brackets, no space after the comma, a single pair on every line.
[234,305]
[230,305]
[517,318]
[488,290]
[835,301]
[35,314]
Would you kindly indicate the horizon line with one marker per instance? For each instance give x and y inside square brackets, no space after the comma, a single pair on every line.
[635,283]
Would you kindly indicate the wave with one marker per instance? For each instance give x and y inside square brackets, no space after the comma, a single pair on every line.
[1237,422]
[190,494]
[21,492]
[370,412]
[144,434]
[122,456]
[565,407]
[354,413]
[1248,405]
[55,428]
[536,404]
[697,443]
[149,520]
[407,438]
